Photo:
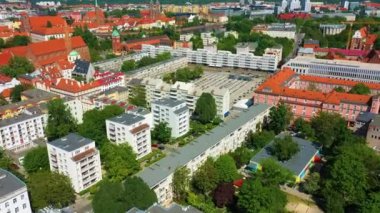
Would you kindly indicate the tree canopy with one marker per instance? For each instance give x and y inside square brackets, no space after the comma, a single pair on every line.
[205,108]
[181,183]
[279,118]
[161,132]
[50,189]
[137,96]
[184,75]
[119,161]
[284,148]
[36,159]
[224,195]
[16,93]
[226,168]
[17,66]
[206,178]
[360,89]
[60,121]
[273,174]
[258,140]
[304,128]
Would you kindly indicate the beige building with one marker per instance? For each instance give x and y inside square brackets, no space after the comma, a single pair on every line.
[197,9]
[373,133]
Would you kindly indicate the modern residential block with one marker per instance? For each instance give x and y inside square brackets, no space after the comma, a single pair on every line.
[174,112]
[19,132]
[133,129]
[76,157]
[13,194]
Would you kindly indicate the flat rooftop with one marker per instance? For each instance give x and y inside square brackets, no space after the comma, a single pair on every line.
[20,118]
[169,102]
[71,142]
[341,63]
[9,183]
[295,164]
[127,119]
[160,170]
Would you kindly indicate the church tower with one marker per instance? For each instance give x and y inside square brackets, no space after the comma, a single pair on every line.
[116,42]
[67,38]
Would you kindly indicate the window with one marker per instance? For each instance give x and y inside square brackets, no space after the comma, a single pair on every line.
[22,197]
[6,204]
[24,206]
[15,200]
[16,209]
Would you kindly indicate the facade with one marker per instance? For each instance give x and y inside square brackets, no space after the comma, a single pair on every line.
[362,40]
[299,164]
[20,132]
[267,62]
[219,141]
[277,30]
[156,89]
[208,39]
[307,95]
[83,69]
[332,29]
[186,37]
[174,112]
[13,194]
[77,158]
[133,129]
[342,69]
[373,133]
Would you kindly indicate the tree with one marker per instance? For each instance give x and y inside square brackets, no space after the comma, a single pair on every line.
[311,184]
[138,194]
[255,197]
[5,161]
[303,128]
[17,66]
[137,96]
[224,195]
[18,40]
[339,89]
[279,118]
[360,89]
[94,123]
[372,203]
[3,101]
[36,159]
[197,42]
[16,93]
[128,65]
[109,198]
[206,177]
[119,161]
[273,174]
[50,189]
[284,148]
[226,168]
[162,133]
[205,108]
[258,140]
[242,156]
[181,180]
[60,121]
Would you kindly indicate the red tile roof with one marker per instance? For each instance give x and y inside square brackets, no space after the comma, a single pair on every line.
[334,81]
[139,128]
[4,79]
[4,58]
[345,52]
[74,86]
[290,16]
[50,31]
[41,21]
[6,93]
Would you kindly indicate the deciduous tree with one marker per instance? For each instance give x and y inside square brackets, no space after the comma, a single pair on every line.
[205,108]
[227,171]
[138,194]
[137,96]
[273,173]
[284,148]
[161,132]
[258,140]
[181,180]
[311,184]
[360,89]
[36,159]
[206,177]
[279,118]
[224,195]
[60,121]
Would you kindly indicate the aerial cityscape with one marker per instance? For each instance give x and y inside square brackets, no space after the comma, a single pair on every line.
[189,106]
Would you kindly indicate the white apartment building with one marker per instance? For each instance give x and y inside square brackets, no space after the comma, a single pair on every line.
[76,108]
[156,89]
[133,129]
[341,69]
[173,112]
[186,37]
[13,194]
[208,39]
[277,30]
[19,133]
[215,58]
[77,158]
[221,140]
[332,29]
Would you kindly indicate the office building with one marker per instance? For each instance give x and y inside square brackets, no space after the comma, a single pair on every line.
[13,194]
[133,129]
[221,140]
[77,158]
[306,6]
[20,132]
[218,58]
[173,112]
[342,69]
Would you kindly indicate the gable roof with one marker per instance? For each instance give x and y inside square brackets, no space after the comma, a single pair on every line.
[41,21]
[81,67]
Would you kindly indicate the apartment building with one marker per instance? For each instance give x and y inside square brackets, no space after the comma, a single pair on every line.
[277,30]
[221,140]
[186,37]
[13,194]
[19,132]
[133,129]
[332,29]
[220,58]
[208,39]
[373,133]
[156,89]
[174,112]
[76,157]
[342,69]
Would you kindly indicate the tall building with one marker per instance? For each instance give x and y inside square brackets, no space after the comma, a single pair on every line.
[306,5]
[154,9]
[173,112]
[133,129]
[13,194]
[77,158]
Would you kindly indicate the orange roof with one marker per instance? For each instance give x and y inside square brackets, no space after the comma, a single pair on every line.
[74,86]
[4,58]
[6,93]
[334,81]
[276,85]
[41,21]
[46,47]
[371,39]
[50,31]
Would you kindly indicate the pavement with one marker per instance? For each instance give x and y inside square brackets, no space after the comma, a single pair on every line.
[82,204]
